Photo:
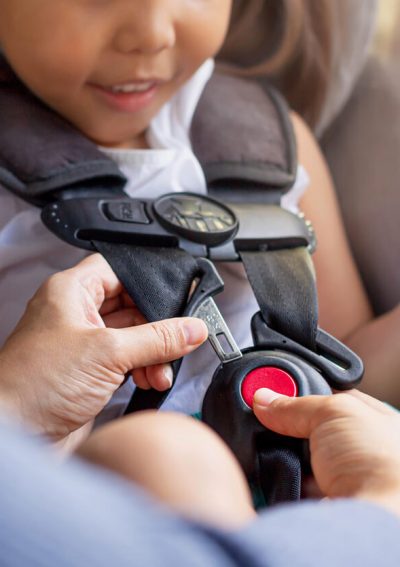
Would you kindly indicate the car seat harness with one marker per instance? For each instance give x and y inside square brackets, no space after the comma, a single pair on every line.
[291,355]
[159,247]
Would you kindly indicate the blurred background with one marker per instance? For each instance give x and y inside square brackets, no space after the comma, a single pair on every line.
[387,37]
[361,142]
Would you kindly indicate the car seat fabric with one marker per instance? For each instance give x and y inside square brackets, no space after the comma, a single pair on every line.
[362,148]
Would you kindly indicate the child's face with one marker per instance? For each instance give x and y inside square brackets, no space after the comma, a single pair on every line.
[108,66]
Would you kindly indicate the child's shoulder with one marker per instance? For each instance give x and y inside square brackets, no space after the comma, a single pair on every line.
[311,158]
[307,145]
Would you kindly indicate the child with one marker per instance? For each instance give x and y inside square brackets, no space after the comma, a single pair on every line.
[128,74]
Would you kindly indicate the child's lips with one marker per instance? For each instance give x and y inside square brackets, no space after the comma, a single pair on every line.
[128,97]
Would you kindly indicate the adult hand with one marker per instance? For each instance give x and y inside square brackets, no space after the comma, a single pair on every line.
[75,344]
[354,441]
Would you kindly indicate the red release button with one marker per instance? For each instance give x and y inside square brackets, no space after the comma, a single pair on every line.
[268,377]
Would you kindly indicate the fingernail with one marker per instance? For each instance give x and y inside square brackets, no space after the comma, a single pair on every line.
[195,331]
[168,375]
[264,396]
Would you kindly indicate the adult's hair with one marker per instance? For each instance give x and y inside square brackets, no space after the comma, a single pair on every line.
[287,41]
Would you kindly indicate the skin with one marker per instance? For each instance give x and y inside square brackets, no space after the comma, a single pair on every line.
[354,442]
[182,463]
[60,382]
[65,51]
[68,356]
[68,52]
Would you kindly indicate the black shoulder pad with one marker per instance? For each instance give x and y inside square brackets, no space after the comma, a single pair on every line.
[243,133]
[41,153]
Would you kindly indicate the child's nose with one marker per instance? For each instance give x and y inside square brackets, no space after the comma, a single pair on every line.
[149,27]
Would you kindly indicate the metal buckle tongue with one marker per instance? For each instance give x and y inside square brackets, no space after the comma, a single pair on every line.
[219,334]
[203,306]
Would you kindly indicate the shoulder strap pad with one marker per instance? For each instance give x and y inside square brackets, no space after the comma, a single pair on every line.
[241,132]
[241,135]
[40,152]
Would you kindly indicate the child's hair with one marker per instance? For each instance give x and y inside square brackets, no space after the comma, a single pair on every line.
[288,41]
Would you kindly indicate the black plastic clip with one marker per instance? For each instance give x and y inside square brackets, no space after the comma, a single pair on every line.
[340,366]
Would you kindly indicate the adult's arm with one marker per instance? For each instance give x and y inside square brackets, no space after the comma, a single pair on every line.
[73,515]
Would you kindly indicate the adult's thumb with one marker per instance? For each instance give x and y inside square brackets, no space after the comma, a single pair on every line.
[158,342]
[296,417]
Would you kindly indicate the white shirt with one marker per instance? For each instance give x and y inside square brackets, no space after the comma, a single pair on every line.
[29,253]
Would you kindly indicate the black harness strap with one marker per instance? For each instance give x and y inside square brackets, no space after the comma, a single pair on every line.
[282,280]
[284,285]
[280,473]
[159,281]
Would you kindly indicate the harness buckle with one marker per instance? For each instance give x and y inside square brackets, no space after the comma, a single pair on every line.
[339,365]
